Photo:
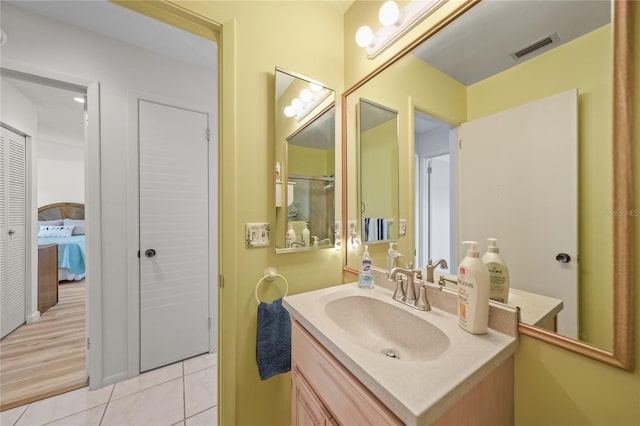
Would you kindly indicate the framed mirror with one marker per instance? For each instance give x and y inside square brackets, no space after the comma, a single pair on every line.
[304,170]
[439,81]
[378,165]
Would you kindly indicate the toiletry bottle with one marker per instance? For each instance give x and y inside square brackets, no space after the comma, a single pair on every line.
[306,235]
[498,272]
[291,236]
[473,292]
[391,257]
[365,278]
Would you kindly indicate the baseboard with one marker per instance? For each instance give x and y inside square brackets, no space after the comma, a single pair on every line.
[33,317]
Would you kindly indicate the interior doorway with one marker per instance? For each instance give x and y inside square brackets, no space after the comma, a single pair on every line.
[435,185]
[46,352]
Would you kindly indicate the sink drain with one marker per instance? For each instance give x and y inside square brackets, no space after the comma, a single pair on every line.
[391,353]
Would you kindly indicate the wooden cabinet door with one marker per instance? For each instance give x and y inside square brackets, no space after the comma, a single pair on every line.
[306,407]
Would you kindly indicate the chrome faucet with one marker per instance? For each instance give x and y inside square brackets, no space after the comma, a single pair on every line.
[408,297]
[432,266]
[405,296]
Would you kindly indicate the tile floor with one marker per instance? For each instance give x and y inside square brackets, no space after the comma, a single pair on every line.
[181,394]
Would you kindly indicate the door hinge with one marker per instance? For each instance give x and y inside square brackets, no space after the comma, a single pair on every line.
[209,323]
[88,343]
[459,143]
[208,135]
[138,254]
[221,281]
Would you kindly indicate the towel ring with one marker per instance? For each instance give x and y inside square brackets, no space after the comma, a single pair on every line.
[270,274]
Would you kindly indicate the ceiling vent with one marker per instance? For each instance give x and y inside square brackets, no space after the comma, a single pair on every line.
[538,44]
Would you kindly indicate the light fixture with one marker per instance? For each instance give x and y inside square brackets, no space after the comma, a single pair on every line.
[390,14]
[79,99]
[308,99]
[396,23]
[365,36]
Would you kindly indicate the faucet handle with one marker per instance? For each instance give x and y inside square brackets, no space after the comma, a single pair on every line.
[399,292]
[423,303]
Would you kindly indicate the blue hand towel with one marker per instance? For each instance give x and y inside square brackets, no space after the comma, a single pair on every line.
[273,346]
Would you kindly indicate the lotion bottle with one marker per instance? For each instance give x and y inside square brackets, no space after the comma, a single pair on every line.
[365,277]
[473,292]
[498,272]
[306,235]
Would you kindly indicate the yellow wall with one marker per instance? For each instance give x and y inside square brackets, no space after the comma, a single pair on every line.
[305,37]
[583,63]
[307,161]
[406,85]
[378,150]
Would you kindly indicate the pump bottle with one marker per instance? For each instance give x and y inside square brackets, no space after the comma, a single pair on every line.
[498,272]
[365,277]
[473,292]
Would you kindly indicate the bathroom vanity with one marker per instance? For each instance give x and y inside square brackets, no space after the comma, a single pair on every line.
[360,357]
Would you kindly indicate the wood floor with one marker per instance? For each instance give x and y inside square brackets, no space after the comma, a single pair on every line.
[47,357]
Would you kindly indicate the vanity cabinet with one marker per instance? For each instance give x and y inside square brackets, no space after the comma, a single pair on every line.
[326,393]
[332,388]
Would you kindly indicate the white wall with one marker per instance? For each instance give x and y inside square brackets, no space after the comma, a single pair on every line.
[60,173]
[38,44]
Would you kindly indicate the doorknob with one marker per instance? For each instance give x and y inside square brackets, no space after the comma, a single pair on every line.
[563,258]
[11,232]
[150,252]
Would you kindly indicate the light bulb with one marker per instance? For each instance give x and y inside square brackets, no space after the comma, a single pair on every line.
[289,111]
[306,95]
[297,104]
[389,13]
[365,36]
[315,87]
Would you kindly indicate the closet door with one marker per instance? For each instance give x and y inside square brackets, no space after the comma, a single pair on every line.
[12,230]
[174,234]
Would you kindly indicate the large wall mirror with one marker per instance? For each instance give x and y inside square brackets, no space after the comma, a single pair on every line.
[512,126]
[304,164]
[378,156]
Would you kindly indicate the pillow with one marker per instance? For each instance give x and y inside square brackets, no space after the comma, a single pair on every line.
[78,225]
[55,231]
[57,222]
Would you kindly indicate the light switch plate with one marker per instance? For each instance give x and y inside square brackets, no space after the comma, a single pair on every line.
[402,227]
[257,234]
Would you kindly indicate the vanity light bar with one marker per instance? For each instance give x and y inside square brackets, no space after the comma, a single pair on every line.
[412,14]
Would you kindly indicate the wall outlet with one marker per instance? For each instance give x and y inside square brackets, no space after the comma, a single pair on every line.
[257,234]
[352,226]
[402,227]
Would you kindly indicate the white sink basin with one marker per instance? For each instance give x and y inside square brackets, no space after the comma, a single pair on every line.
[386,329]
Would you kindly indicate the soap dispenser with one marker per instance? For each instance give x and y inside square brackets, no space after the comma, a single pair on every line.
[365,277]
[473,292]
[498,272]
[290,236]
[391,257]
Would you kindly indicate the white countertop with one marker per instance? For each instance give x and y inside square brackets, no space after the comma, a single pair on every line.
[535,309]
[417,392]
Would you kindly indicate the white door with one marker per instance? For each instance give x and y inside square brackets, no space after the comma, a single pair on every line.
[518,183]
[174,234]
[12,230]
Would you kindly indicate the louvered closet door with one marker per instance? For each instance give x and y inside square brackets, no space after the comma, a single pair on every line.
[174,234]
[12,230]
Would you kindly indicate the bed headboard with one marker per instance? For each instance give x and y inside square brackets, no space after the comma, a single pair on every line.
[61,211]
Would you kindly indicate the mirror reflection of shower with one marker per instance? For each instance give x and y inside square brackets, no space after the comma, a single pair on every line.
[313,207]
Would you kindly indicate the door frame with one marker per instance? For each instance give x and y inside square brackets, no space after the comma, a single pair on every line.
[133,220]
[92,201]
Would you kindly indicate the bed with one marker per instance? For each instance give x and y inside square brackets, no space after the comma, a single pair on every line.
[63,224]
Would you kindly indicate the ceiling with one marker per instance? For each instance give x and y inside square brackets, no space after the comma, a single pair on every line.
[60,119]
[479,43]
